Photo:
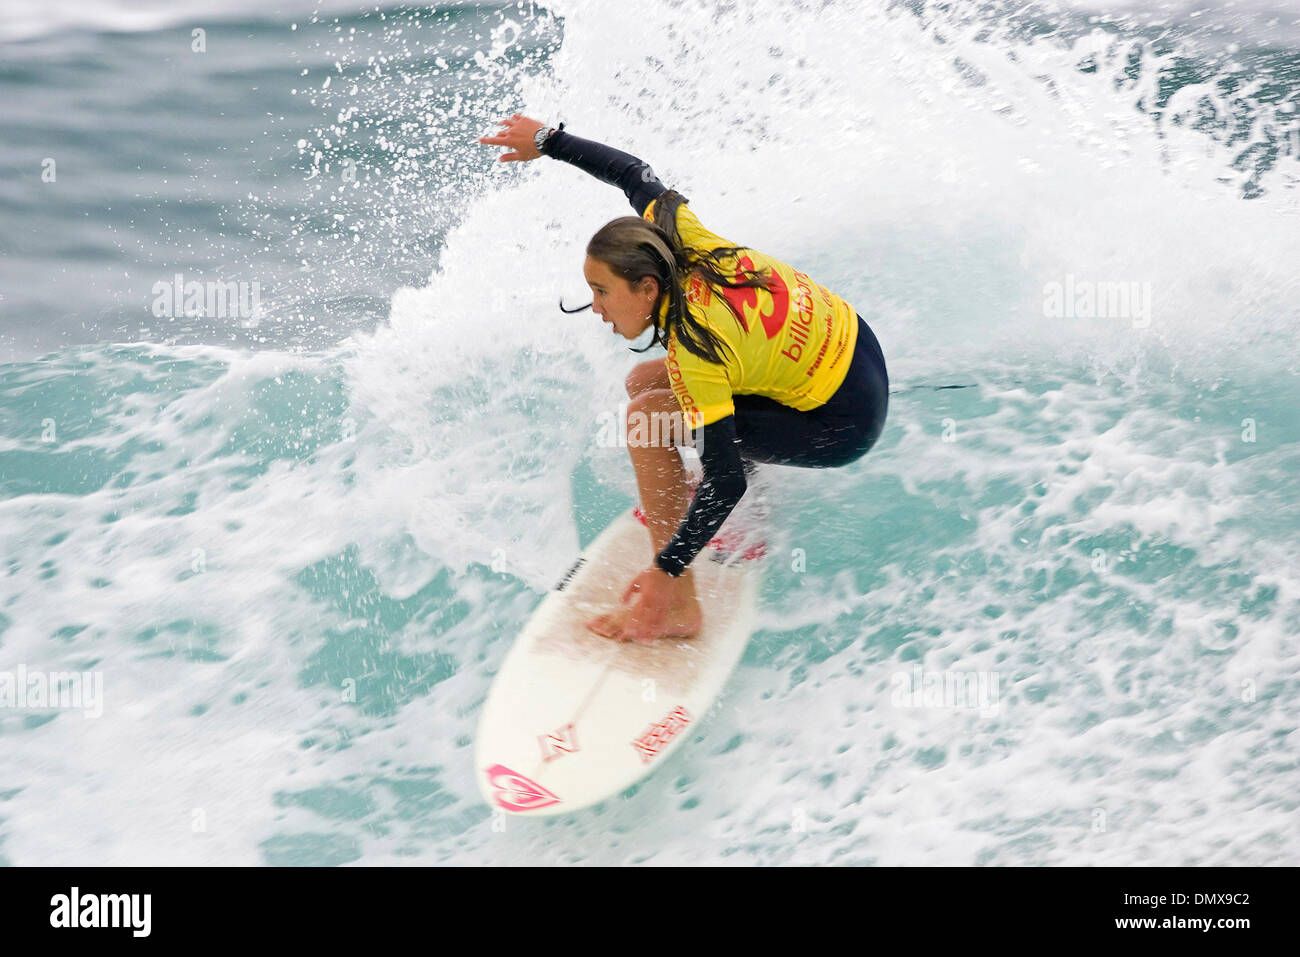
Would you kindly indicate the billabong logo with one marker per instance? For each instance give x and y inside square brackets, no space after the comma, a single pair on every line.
[514,792]
[748,296]
[690,410]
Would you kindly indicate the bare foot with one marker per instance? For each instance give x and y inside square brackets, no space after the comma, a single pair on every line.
[607,625]
[684,621]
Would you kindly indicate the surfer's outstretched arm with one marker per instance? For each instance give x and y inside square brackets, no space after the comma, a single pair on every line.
[633,176]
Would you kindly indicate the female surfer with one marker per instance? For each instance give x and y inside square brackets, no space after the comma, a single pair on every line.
[763,364]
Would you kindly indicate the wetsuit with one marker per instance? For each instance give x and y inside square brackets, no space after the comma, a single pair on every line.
[803,382]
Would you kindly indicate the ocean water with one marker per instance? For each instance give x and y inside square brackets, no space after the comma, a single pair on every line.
[285,541]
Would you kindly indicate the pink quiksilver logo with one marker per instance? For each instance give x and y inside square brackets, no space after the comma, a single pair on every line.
[514,792]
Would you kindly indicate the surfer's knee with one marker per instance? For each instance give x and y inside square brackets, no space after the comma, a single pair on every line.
[652,402]
[646,377]
[654,420]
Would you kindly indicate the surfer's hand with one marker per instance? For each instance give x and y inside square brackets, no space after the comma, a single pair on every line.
[517,136]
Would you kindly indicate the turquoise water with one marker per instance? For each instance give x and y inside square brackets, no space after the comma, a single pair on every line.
[295,546]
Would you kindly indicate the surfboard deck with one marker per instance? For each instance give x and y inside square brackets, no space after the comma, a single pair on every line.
[573,718]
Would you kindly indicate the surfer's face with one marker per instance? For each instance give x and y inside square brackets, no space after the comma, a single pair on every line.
[624,305]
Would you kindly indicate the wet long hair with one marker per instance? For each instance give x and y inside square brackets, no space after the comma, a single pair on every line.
[634,248]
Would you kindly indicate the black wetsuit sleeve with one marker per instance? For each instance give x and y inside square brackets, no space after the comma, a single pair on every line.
[633,176]
[722,487]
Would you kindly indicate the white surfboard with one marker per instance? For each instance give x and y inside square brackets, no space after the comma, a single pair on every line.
[573,718]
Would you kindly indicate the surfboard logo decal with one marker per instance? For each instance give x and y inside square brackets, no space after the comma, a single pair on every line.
[660,733]
[559,586]
[559,742]
[514,792]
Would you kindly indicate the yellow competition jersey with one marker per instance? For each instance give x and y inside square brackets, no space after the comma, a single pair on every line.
[792,344]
